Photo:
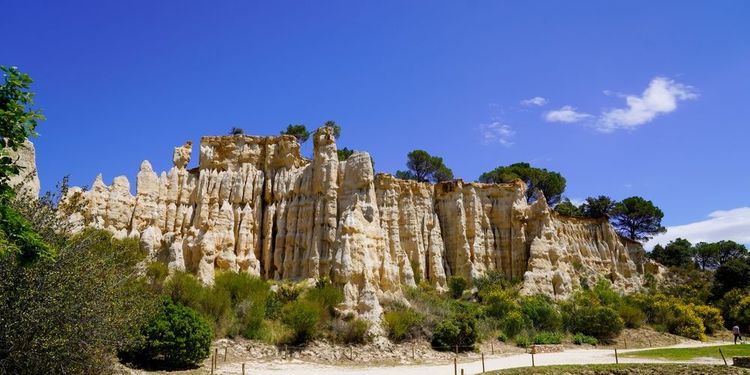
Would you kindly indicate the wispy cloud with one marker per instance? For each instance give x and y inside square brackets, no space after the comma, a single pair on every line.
[566,114]
[536,101]
[497,132]
[721,225]
[660,97]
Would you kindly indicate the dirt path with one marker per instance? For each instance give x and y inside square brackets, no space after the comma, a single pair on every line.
[570,357]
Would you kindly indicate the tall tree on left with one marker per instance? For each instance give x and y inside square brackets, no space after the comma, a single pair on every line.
[18,121]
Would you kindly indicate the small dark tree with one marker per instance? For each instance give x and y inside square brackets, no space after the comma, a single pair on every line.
[567,208]
[424,167]
[734,274]
[236,131]
[706,255]
[728,250]
[299,131]
[551,184]
[677,253]
[336,128]
[344,153]
[637,219]
[598,207]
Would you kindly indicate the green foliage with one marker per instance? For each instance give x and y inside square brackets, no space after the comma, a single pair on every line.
[678,318]
[502,337]
[457,285]
[711,317]
[355,332]
[459,331]
[580,339]
[523,341]
[637,218]
[302,317]
[335,128]
[17,123]
[325,296]
[551,184]
[344,153]
[739,312]
[74,311]
[249,296]
[424,167]
[632,316]
[156,274]
[585,314]
[299,131]
[20,237]
[734,274]
[491,281]
[598,207]
[176,337]
[677,253]
[547,338]
[215,304]
[567,208]
[499,303]
[514,323]
[402,324]
[541,312]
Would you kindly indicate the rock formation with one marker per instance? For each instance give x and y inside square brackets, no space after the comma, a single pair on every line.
[27,181]
[255,205]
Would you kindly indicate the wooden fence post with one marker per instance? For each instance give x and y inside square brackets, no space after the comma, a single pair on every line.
[243,368]
[617,360]
[492,346]
[225,354]
[532,360]
[483,363]
[722,357]
[455,365]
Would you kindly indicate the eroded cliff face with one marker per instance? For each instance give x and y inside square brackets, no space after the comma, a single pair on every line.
[255,205]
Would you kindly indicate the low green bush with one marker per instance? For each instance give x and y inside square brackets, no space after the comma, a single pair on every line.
[580,339]
[547,338]
[711,316]
[541,312]
[502,337]
[459,332]
[301,317]
[326,296]
[680,319]
[355,332]
[177,337]
[523,341]
[457,285]
[402,324]
[631,315]
[602,322]
[514,323]
[499,303]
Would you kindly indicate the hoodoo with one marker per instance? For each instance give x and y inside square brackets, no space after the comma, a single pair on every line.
[255,205]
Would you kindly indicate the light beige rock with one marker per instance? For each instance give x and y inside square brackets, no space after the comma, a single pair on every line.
[255,205]
[27,181]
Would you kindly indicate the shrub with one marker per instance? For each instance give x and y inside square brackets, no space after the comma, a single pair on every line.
[402,324]
[547,338]
[631,315]
[523,341]
[602,322]
[514,323]
[680,319]
[176,337]
[711,317]
[580,339]
[499,303]
[326,296]
[739,314]
[249,297]
[459,331]
[355,332]
[502,337]
[301,317]
[541,312]
[156,273]
[456,286]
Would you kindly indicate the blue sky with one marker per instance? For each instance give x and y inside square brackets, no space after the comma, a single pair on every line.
[639,97]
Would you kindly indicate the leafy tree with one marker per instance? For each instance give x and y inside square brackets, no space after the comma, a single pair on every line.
[18,122]
[176,337]
[344,153]
[567,208]
[299,131]
[424,167]
[459,332]
[706,255]
[677,253]
[236,131]
[336,128]
[74,311]
[551,184]
[598,207]
[637,218]
[734,274]
[729,250]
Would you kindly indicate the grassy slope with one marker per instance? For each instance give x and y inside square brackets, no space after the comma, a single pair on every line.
[681,354]
[625,369]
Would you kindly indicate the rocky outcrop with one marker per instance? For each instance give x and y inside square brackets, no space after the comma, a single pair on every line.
[26,182]
[255,205]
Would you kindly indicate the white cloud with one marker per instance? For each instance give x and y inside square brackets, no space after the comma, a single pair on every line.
[497,132]
[537,101]
[567,114]
[721,225]
[661,96]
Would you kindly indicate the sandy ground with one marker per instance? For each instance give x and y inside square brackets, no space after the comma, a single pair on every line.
[568,357]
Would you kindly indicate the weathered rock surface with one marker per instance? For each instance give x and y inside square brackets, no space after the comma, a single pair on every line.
[27,181]
[255,205]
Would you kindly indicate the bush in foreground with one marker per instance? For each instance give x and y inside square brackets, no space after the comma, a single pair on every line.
[460,332]
[402,324]
[176,337]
